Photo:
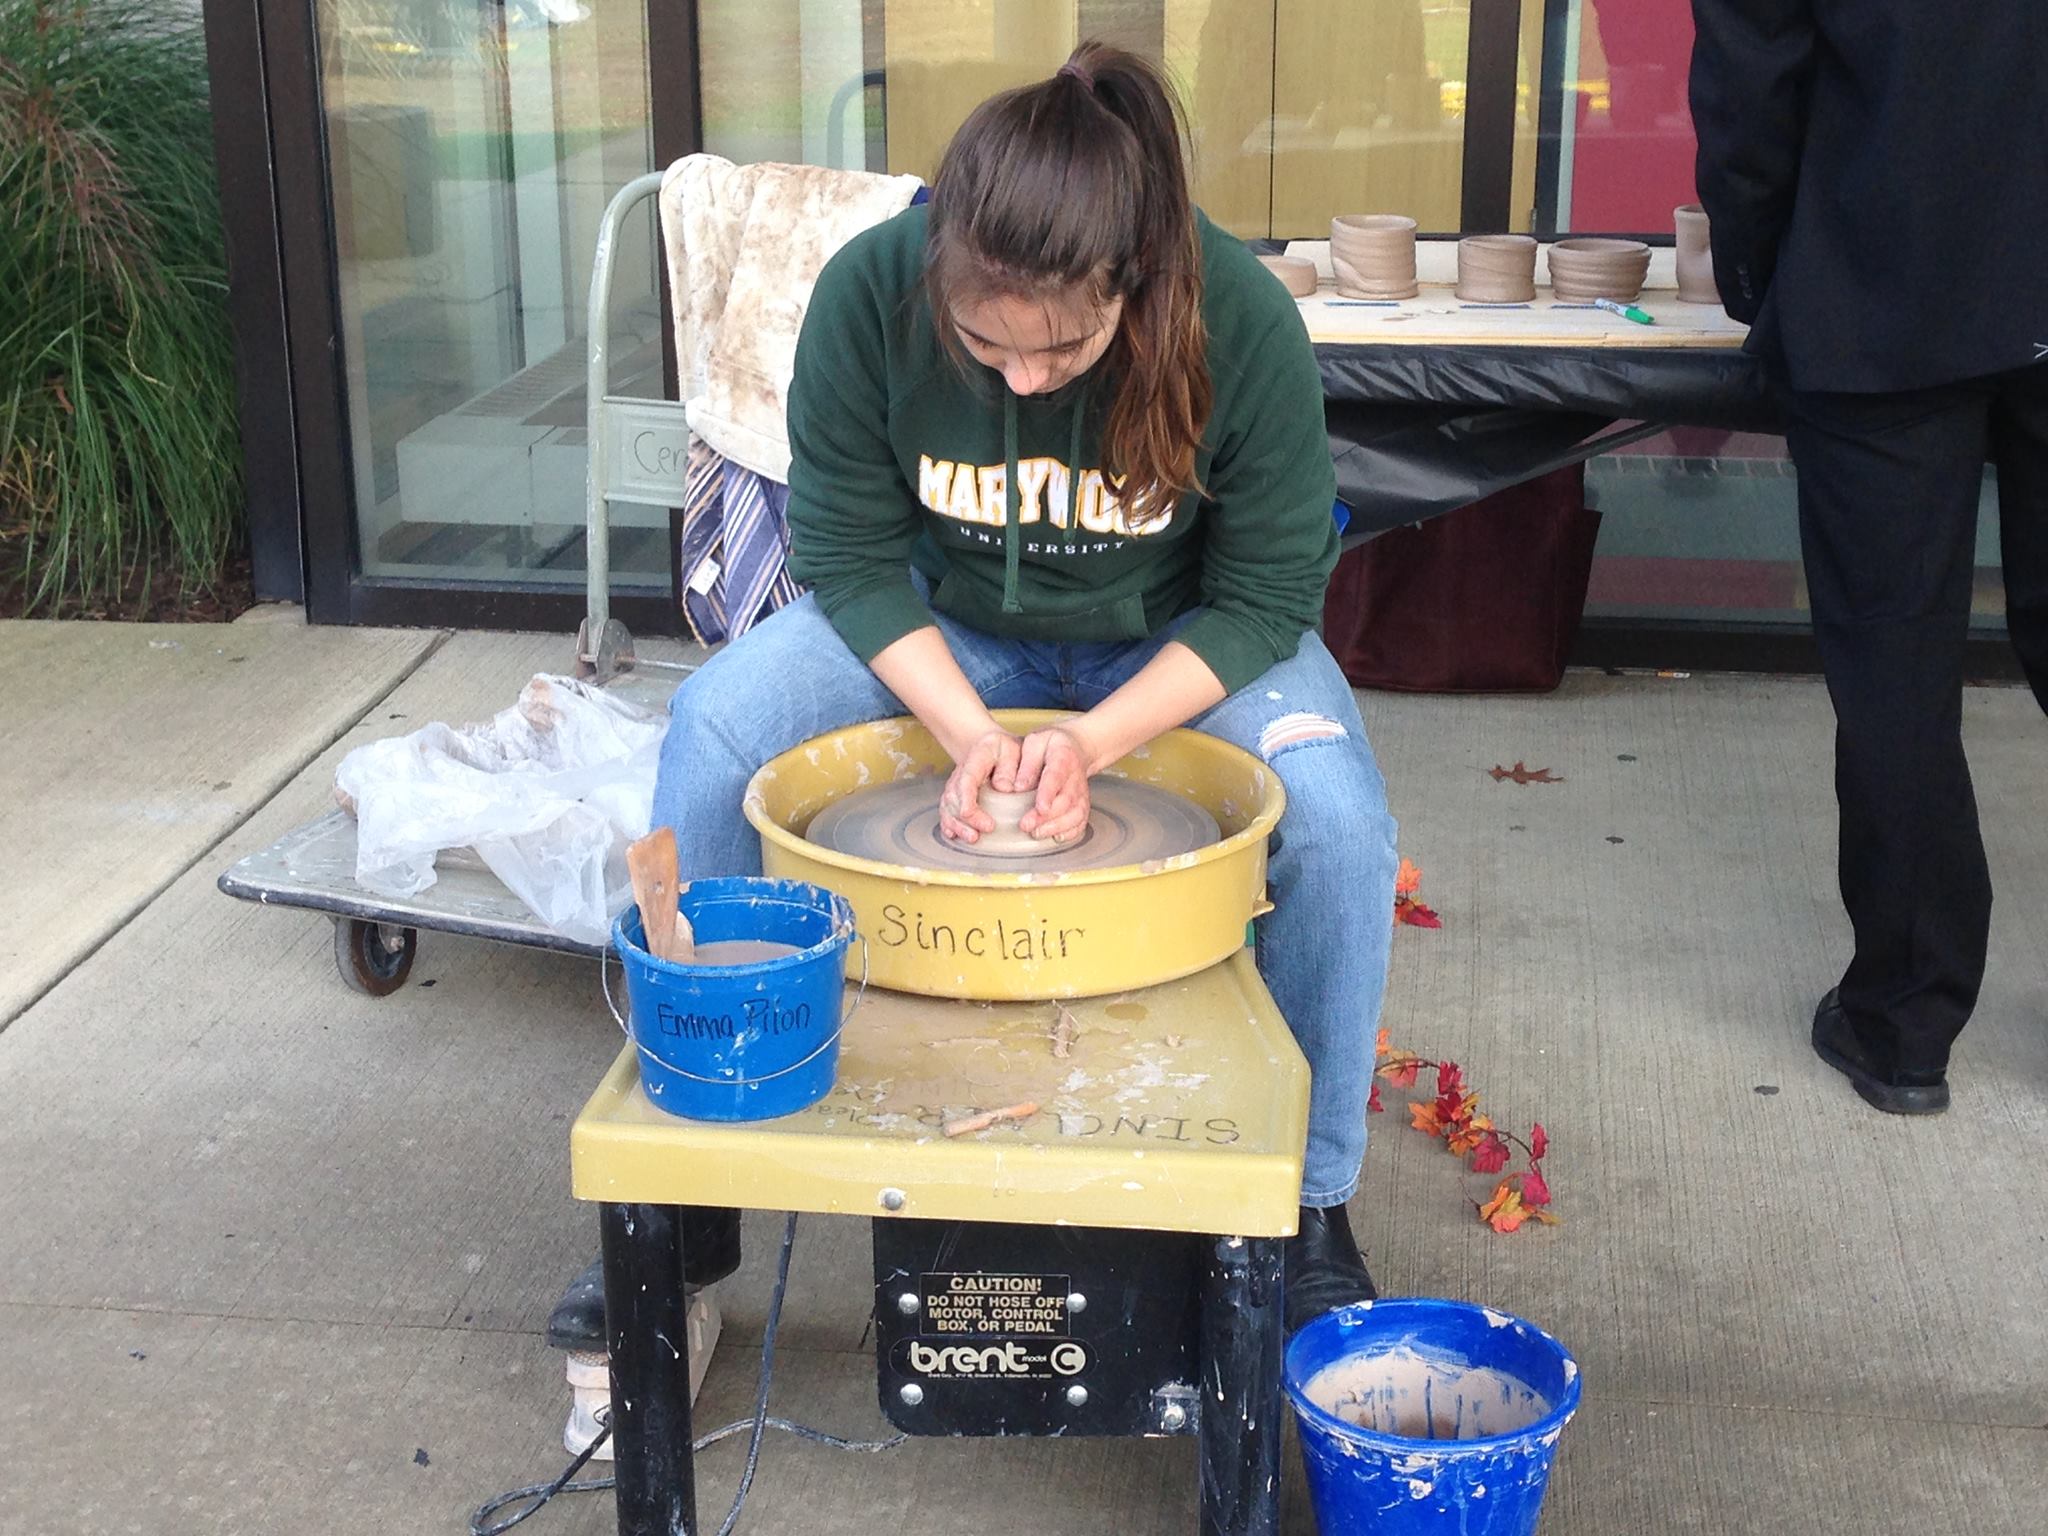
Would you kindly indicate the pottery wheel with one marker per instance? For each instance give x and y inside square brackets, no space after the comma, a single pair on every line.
[1128,823]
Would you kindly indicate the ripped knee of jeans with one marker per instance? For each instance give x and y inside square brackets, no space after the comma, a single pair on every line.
[1299,729]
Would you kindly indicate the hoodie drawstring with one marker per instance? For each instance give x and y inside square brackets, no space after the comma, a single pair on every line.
[1074,464]
[1013,537]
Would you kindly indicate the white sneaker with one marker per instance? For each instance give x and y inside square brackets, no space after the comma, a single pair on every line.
[590,1378]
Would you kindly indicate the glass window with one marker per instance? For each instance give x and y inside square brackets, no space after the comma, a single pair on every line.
[1303,109]
[473,145]
[1288,126]
[1606,142]
[1701,525]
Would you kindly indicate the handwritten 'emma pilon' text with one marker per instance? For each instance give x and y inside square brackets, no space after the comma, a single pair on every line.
[759,1017]
[993,941]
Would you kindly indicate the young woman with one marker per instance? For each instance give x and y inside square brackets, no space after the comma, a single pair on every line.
[1057,440]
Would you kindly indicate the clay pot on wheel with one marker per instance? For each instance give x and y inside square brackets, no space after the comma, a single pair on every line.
[1497,269]
[1297,273]
[1584,269]
[1373,255]
[1008,807]
[1695,257]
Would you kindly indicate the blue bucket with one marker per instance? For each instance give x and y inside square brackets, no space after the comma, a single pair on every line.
[740,1042]
[1422,1417]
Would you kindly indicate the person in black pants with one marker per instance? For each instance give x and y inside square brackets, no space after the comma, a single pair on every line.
[1876,176]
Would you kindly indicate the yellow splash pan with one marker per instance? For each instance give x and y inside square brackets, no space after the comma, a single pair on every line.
[1024,935]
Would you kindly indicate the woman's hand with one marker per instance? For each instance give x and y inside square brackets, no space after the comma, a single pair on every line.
[1053,761]
[991,759]
[1057,762]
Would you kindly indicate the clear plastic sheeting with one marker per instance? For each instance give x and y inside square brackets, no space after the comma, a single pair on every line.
[548,793]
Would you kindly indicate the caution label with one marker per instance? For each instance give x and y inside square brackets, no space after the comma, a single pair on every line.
[985,1306]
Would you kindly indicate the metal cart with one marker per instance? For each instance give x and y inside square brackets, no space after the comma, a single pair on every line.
[638,449]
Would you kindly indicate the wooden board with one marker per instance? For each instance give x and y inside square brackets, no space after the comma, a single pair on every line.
[1436,317]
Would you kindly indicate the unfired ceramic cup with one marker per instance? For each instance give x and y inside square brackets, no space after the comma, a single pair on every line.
[1298,273]
[1373,255]
[1008,807]
[1497,269]
[1585,269]
[1695,257]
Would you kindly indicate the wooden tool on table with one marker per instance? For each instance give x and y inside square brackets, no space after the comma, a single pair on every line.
[651,862]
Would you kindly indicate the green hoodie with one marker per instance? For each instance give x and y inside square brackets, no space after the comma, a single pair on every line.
[902,456]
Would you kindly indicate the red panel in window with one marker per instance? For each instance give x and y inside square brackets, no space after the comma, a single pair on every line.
[1632,159]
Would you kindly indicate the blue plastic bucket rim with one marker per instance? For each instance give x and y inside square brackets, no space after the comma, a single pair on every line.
[1550,1425]
[842,934]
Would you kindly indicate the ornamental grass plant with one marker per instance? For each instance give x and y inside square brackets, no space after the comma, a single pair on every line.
[119,455]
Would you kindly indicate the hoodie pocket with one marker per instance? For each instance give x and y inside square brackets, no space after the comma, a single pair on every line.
[1123,619]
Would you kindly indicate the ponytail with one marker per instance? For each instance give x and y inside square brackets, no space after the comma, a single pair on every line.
[1078,183]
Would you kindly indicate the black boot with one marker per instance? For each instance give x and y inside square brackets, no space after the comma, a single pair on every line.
[577,1323]
[711,1251]
[1324,1269]
[1896,1093]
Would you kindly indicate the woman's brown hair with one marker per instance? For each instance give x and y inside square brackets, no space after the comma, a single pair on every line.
[1078,183]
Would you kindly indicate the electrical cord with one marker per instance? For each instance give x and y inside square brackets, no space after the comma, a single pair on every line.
[757,1424]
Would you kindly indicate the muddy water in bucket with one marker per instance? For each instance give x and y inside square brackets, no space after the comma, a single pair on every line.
[1426,1418]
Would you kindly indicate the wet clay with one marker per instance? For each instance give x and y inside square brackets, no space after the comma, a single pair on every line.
[742,952]
[1128,823]
[1425,1397]
[1373,255]
[1008,840]
[1497,269]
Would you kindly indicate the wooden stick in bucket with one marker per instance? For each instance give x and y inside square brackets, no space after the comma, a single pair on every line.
[651,862]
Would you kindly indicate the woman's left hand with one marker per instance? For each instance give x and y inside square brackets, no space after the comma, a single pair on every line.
[1056,761]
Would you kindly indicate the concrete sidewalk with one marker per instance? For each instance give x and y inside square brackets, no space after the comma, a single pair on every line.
[277,1255]
[137,746]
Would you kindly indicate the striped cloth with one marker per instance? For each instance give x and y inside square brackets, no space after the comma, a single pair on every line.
[732,559]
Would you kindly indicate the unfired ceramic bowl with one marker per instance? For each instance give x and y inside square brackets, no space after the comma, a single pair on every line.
[1297,273]
[1497,269]
[1373,255]
[1586,269]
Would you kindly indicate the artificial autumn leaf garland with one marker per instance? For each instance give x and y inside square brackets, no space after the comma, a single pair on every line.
[1408,907]
[1453,1117]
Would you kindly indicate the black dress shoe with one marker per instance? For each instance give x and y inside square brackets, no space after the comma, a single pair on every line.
[1324,1269]
[711,1251]
[1896,1093]
[577,1323]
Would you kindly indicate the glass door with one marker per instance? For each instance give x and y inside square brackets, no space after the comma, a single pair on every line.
[472,146]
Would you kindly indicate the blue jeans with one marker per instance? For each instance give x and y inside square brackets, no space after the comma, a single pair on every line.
[1322,951]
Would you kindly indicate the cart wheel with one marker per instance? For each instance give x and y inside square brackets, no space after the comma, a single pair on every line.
[374,958]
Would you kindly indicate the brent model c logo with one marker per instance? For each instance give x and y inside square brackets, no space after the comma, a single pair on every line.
[1011,1359]
[967,1360]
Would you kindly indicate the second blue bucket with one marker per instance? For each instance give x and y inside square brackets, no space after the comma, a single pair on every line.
[741,1042]
[1426,1418]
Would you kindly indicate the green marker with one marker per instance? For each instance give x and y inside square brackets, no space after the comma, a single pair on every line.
[1626,311]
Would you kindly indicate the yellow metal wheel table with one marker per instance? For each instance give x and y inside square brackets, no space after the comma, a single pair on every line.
[1082,1269]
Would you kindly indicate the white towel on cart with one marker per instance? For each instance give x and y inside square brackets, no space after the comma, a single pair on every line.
[744,246]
